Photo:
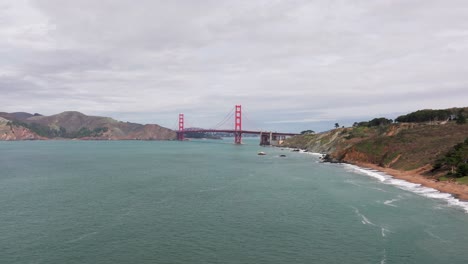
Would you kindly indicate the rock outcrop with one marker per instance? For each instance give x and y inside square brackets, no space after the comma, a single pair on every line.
[11,132]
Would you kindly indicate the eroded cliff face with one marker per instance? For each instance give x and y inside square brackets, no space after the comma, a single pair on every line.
[10,132]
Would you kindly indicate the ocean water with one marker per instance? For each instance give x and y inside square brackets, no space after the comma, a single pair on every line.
[213,202]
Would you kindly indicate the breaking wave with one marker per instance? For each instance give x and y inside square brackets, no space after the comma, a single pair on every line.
[409,186]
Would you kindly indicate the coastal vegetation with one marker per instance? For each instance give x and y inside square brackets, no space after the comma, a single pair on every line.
[426,115]
[382,121]
[455,162]
[404,146]
[461,118]
[430,115]
[61,132]
[307,132]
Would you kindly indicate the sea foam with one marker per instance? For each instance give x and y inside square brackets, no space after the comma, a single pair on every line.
[409,186]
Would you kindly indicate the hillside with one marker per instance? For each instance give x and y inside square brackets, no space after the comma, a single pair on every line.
[400,146]
[8,132]
[17,115]
[75,125]
[432,154]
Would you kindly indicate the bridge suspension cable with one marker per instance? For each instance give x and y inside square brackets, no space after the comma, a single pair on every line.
[236,112]
[249,123]
[175,125]
[225,119]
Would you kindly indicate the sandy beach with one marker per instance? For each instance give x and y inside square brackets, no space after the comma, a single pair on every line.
[460,191]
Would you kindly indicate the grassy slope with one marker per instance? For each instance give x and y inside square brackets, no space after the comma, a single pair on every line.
[398,146]
[462,180]
[411,148]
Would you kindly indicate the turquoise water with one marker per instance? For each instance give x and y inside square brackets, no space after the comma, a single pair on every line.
[210,202]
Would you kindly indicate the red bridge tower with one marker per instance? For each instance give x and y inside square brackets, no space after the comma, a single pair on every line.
[238,125]
[180,135]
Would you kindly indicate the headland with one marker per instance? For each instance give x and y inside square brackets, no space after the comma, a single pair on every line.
[427,147]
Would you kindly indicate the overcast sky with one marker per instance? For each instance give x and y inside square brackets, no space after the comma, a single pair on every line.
[293,65]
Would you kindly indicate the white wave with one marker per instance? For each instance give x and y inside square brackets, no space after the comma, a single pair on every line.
[372,173]
[314,154]
[305,152]
[384,231]
[384,259]
[409,186]
[390,202]
[364,219]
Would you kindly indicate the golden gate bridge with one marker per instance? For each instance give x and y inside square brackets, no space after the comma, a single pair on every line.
[266,137]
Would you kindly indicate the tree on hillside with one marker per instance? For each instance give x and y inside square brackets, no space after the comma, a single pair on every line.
[307,132]
[456,160]
[337,125]
[461,119]
[427,115]
[382,121]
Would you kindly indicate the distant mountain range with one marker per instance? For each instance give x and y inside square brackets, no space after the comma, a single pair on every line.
[75,125]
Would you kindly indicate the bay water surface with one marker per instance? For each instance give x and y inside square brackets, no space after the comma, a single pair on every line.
[212,202]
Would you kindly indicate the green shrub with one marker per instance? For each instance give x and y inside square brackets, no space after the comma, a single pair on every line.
[456,160]
[425,116]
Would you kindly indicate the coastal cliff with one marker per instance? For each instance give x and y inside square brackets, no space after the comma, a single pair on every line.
[398,146]
[405,150]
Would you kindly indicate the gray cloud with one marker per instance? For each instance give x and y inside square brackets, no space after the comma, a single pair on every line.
[292,64]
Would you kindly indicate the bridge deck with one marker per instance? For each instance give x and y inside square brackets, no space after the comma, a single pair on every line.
[242,132]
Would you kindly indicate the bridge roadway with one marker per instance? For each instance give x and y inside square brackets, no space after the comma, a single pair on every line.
[266,137]
[240,131]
